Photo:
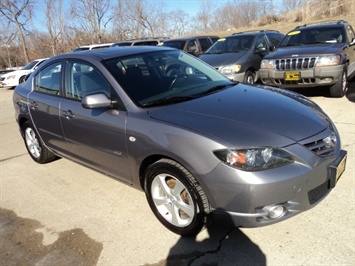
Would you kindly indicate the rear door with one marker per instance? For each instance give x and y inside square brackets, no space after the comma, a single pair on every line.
[44,103]
[96,137]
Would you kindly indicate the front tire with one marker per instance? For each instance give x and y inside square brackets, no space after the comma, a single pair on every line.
[340,88]
[22,79]
[176,198]
[34,145]
[249,77]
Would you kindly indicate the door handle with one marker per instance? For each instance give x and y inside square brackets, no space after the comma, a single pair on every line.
[68,114]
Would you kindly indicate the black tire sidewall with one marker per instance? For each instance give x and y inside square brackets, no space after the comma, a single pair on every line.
[247,75]
[46,155]
[175,171]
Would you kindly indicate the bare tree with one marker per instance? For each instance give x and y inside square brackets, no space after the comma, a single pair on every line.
[291,5]
[55,25]
[92,16]
[205,14]
[18,12]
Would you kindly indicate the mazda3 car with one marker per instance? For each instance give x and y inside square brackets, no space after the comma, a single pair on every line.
[201,147]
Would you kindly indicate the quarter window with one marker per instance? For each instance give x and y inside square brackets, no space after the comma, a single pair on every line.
[48,80]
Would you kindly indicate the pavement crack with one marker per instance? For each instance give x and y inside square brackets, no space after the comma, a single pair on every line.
[12,157]
[213,251]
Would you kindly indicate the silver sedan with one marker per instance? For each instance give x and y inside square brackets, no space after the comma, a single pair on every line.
[201,147]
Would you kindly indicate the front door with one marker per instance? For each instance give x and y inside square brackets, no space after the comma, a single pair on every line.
[96,137]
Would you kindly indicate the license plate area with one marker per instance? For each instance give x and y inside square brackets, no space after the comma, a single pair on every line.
[337,168]
[292,75]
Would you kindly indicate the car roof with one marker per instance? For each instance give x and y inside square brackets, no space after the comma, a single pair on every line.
[321,25]
[112,52]
[186,38]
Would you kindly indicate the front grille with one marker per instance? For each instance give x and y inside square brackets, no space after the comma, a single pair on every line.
[295,63]
[319,192]
[320,147]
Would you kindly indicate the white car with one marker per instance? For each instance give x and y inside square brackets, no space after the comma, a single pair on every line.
[13,78]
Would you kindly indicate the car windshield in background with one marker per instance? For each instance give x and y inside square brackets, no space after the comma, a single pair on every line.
[313,36]
[165,77]
[231,45]
[30,65]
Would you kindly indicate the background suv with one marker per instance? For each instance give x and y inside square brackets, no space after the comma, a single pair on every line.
[239,56]
[313,55]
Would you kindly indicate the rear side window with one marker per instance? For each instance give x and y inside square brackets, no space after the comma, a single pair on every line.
[205,44]
[48,80]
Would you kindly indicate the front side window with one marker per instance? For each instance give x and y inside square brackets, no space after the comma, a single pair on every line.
[261,42]
[82,79]
[48,80]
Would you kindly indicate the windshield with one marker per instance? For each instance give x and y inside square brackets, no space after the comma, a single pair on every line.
[313,36]
[232,44]
[30,65]
[165,77]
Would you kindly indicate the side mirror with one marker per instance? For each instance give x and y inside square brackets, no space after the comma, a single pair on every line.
[261,50]
[98,100]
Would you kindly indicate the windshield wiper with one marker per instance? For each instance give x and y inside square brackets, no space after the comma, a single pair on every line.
[218,88]
[291,44]
[170,100]
[314,42]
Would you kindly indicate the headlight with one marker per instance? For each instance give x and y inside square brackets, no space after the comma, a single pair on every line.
[255,159]
[328,60]
[267,64]
[230,69]
[11,77]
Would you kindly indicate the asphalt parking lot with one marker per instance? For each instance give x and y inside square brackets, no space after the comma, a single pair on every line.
[64,214]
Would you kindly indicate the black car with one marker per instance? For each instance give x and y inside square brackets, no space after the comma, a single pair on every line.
[311,56]
[239,56]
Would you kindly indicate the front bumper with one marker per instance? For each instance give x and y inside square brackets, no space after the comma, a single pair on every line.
[243,198]
[318,76]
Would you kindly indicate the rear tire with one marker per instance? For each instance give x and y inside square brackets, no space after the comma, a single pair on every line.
[176,198]
[340,88]
[34,145]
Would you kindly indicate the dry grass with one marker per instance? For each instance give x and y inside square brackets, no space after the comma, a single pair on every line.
[293,19]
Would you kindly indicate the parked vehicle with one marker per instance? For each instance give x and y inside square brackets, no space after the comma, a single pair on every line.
[199,145]
[239,56]
[14,78]
[311,56]
[92,47]
[139,42]
[195,45]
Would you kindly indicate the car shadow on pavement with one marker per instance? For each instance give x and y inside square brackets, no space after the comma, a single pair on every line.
[225,245]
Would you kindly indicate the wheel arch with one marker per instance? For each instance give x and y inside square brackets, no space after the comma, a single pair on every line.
[146,163]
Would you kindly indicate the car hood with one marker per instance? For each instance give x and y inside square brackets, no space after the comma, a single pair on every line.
[248,116]
[16,72]
[217,60]
[314,50]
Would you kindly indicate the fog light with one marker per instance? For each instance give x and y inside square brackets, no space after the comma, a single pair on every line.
[275,211]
